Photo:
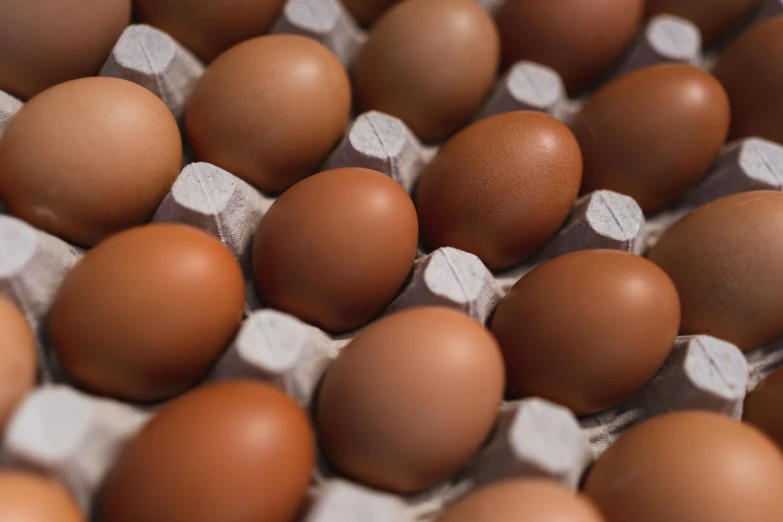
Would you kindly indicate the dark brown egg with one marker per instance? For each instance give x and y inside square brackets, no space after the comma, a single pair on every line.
[587,329]
[335,249]
[689,467]
[18,360]
[751,71]
[270,110]
[764,406]
[367,11]
[237,451]
[429,63]
[145,313]
[410,399]
[47,42]
[712,17]
[207,27]
[724,259]
[579,39]
[28,497]
[500,188]
[88,158]
[652,133]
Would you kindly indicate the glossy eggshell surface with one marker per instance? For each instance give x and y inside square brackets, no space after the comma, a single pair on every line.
[28,497]
[270,110]
[500,188]
[410,399]
[689,467]
[429,63]
[237,451]
[652,133]
[712,17]
[145,314]
[724,259]
[764,406]
[18,360]
[335,249]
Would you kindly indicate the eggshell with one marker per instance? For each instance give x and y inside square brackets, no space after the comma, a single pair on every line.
[207,27]
[578,39]
[751,71]
[410,399]
[144,314]
[270,110]
[88,158]
[764,406]
[652,133]
[533,500]
[28,497]
[335,249]
[367,11]
[500,188]
[18,360]
[47,42]
[689,467]
[724,259]
[237,451]
[429,63]
[712,17]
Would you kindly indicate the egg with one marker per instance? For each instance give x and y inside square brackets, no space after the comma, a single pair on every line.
[143,315]
[206,27]
[366,12]
[534,500]
[430,63]
[18,360]
[580,40]
[29,497]
[689,467]
[410,399]
[236,451]
[336,248]
[47,42]
[500,188]
[89,158]
[712,17]
[724,259]
[764,406]
[270,110]
[751,70]
[587,329]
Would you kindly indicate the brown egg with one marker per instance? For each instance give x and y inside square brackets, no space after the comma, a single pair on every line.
[579,39]
[18,360]
[270,110]
[587,329]
[410,399]
[28,497]
[207,27]
[652,133]
[145,314]
[430,63]
[335,249]
[47,42]
[764,406]
[751,71]
[532,500]
[500,188]
[367,11]
[724,259]
[689,467]
[712,17]
[88,158]
[236,451]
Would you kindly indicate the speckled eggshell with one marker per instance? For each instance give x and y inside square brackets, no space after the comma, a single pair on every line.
[18,359]
[764,406]
[28,497]
[712,17]
[366,12]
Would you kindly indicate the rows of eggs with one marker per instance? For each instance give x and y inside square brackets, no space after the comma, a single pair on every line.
[148,310]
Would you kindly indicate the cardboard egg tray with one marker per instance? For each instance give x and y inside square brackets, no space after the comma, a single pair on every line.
[75,437]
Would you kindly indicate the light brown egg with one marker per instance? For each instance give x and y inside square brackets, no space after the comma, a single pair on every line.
[689,467]
[335,249]
[410,399]
[500,188]
[531,500]
[144,315]
[578,39]
[367,11]
[429,63]
[18,360]
[47,42]
[270,110]
[712,17]
[89,158]
[751,71]
[652,133]
[207,27]
[236,451]
[764,406]
[724,259]
[28,497]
